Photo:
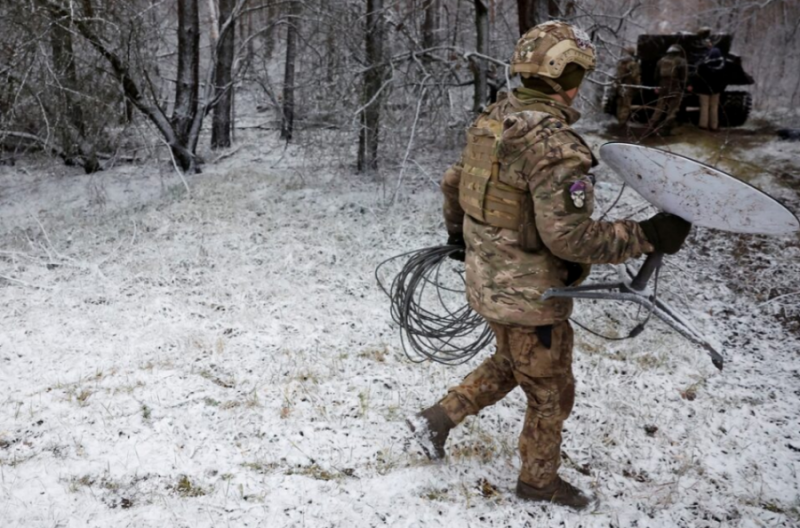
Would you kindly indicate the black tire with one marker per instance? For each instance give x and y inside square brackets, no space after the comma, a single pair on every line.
[734,108]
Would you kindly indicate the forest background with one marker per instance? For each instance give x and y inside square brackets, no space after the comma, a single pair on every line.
[98,82]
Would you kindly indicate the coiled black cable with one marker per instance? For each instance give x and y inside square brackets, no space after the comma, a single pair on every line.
[430,329]
[438,325]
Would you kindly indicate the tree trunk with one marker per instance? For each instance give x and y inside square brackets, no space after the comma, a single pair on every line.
[269,36]
[553,9]
[479,66]
[222,120]
[72,133]
[120,69]
[374,77]
[64,68]
[287,124]
[332,53]
[188,85]
[430,24]
[525,16]
[127,108]
[88,8]
[533,12]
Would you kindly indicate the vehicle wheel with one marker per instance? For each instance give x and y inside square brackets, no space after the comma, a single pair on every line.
[734,108]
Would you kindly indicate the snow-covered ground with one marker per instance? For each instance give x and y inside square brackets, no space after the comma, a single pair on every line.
[223,357]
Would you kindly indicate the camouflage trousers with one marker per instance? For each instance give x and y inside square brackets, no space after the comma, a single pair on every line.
[624,103]
[544,374]
[669,102]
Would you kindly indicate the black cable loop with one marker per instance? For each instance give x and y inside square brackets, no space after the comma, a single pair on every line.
[437,331]
[440,333]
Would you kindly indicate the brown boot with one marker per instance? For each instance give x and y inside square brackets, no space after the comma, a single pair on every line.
[430,428]
[558,492]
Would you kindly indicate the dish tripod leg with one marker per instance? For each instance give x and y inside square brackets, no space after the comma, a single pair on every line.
[635,292]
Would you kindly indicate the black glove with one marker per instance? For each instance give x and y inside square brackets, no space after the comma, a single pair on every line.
[457,239]
[666,232]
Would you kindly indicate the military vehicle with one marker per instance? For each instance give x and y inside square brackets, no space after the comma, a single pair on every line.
[734,106]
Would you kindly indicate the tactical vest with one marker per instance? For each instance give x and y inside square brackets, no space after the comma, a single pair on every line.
[482,193]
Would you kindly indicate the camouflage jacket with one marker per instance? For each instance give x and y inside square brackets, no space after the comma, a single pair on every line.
[539,150]
[672,72]
[628,71]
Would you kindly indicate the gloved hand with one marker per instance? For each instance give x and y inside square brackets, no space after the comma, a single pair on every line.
[666,232]
[457,239]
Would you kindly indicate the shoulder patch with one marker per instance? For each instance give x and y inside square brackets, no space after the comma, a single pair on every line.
[578,196]
[577,193]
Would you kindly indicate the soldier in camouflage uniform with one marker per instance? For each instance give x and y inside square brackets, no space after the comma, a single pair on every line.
[628,73]
[672,72]
[520,201]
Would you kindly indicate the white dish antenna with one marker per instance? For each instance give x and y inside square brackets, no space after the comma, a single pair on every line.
[698,193]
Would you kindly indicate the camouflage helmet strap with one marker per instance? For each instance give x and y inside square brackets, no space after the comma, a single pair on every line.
[558,89]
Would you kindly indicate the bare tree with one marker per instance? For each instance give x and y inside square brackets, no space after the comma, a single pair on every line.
[187,87]
[479,66]
[331,54]
[430,24]
[287,123]
[534,12]
[410,72]
[181,130]
[75,147]
[374,79]
[223,111]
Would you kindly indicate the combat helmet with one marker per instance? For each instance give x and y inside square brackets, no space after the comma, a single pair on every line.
[547,49]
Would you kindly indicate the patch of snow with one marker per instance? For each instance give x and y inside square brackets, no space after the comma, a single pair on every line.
[224,357]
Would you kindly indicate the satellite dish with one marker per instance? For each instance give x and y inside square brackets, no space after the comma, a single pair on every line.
[698,193]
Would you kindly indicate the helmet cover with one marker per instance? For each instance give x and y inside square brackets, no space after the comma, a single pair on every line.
[546,49]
